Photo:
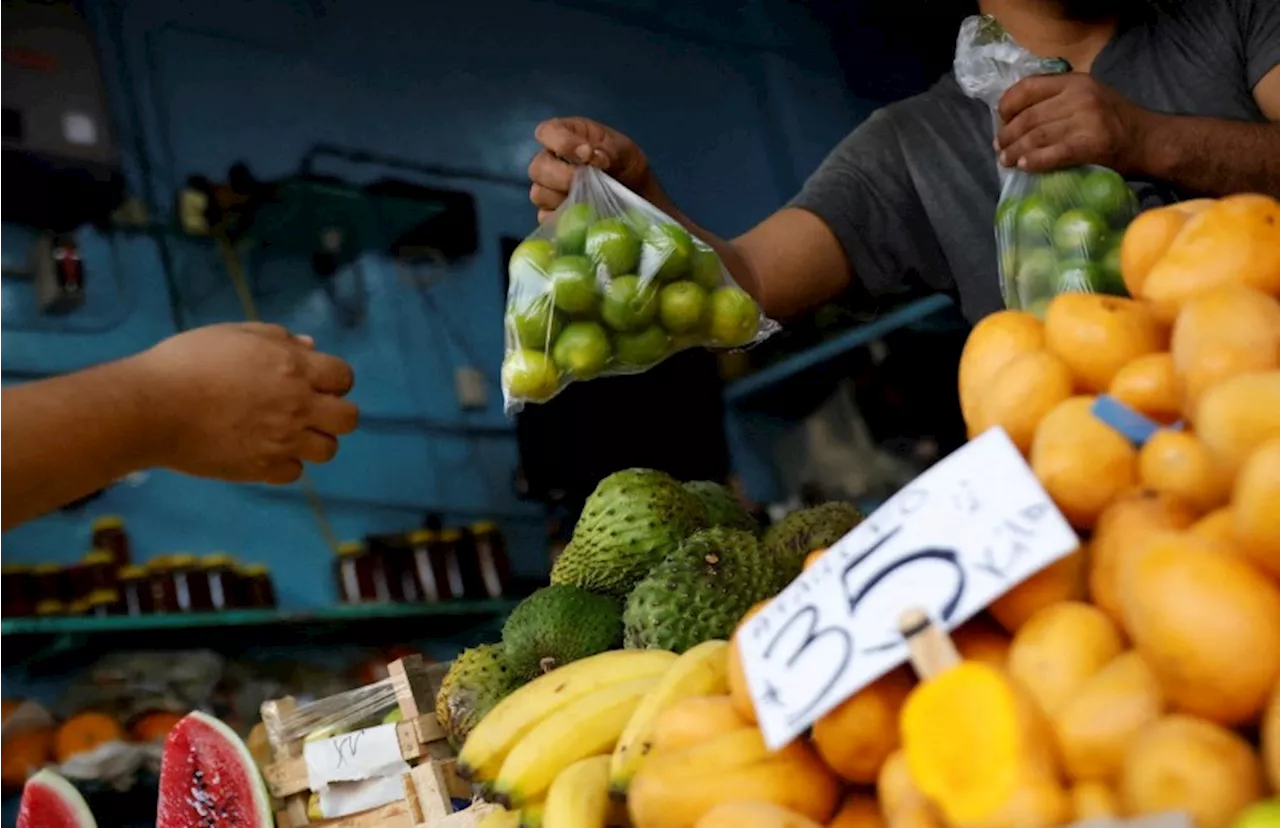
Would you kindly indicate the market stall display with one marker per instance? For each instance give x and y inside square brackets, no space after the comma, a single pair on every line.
[611,285]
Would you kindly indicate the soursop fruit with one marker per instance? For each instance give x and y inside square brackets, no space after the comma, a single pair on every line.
[477,680]
[632,520]
[791,539]
[699,592]
[723,508]
[559,624]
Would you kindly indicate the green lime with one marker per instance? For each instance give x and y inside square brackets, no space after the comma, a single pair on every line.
[1079,234]
[536,324]
[612,243]
[1035,219]
[705,267]
[571,227]
[642,348]
[1078,276]
[1062,188]
[582,350]
[1105,192]
[573,284]
[1035,275]
[665,252]
[1007,215]
[1113,279]
[529,375]
[1039,307]
[735,317]
[629,304]
[682,306]
[530,260]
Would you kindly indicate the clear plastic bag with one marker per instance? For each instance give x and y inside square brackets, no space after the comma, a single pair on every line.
[611,285]
[1056,232]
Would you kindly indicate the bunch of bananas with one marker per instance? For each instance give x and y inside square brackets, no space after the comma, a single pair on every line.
[562,751]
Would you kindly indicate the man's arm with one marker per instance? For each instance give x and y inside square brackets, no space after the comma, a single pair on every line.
[67,437]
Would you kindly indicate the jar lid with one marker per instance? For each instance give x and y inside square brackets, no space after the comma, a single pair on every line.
[49,606]
[217,559]
[484,526]
[451,536]
[423,536]
[160,563]
[14,569]
[47,569]
[78,607]
[97,557]
[128,572]
[349,548]
[102,596]
[108,522]
[182,559]
[254,570]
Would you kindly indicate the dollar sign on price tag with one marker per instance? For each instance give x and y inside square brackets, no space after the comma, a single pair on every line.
[950,542]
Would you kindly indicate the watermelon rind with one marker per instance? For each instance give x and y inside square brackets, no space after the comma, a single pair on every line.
[77,809]
[252,776]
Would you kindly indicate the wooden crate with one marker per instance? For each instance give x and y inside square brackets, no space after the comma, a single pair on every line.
[429,786]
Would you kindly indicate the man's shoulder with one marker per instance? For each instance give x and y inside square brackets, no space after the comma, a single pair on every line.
[942,106]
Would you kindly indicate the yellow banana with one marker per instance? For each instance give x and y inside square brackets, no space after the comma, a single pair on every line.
[587,727]
[701,671]
[531,814]
[579,796]
[500,818]
[488,744]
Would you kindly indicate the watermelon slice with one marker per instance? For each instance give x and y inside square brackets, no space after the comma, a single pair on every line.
[49,801]
[208,779]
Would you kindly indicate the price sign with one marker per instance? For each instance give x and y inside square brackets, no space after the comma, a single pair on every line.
[352,757]
[950,542]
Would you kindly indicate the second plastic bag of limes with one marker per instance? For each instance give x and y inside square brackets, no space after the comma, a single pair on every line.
[611,285]
[1057,232]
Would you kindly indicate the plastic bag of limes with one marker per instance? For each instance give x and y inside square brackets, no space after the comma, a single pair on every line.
[611,285]
[1057,232]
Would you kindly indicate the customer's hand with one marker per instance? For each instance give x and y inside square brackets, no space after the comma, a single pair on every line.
[576,141]
[1056,121]
[245,402]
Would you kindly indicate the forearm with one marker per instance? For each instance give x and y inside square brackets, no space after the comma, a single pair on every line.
[67,437]
[1213,156]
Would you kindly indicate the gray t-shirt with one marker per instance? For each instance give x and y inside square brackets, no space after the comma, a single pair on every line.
[911,193]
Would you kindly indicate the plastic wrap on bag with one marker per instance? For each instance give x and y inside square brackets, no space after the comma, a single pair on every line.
[1056,232]
[361,707]
[611,285]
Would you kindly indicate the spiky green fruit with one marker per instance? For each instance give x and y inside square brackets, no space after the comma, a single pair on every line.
[699,592]
[791,539]
[632,520]
[723,508]
[477,680]
[559,624]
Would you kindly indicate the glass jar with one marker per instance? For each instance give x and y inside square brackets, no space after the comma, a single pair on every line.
[103,602]
[78,607]
[135,591]
[190,583]
[450,539]
[429,566]
[51,589]
[18,590]
[220,575]
[99,571]
[259,591]
[396,555]
[164,592]
[346,572]
[109,535]
[491,558]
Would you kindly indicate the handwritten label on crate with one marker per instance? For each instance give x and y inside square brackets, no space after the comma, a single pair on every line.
[345,798]
[950,542]
[352,757]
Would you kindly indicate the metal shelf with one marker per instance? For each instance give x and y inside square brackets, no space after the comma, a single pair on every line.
[779,372]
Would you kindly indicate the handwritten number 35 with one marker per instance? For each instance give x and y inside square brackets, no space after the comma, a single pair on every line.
[834,668]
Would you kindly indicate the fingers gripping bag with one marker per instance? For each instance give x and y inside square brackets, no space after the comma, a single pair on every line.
[611,285]
[1056,232]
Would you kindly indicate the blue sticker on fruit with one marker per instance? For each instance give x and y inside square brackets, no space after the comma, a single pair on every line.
[1137,428]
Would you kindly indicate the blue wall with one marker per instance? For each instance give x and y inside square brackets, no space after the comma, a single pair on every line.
[710,91]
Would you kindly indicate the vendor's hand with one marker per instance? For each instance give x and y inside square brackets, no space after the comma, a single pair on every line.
[575,141]
[245,402]
[1056,121]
